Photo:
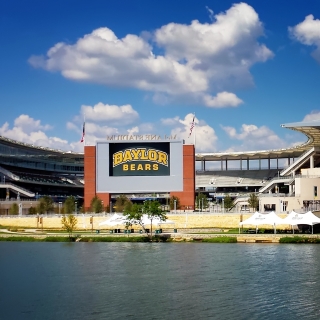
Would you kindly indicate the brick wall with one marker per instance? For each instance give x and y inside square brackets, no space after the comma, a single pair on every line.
[187,196]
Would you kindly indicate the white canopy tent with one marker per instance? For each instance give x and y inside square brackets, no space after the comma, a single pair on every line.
[301,218]
[115,220]
[262,218]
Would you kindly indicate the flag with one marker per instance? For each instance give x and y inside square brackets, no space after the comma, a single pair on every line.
[192,126]
[83,132]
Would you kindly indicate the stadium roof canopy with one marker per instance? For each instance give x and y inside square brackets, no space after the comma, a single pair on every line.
[311,129]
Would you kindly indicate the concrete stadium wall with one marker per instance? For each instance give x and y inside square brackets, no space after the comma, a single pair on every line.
[182,221]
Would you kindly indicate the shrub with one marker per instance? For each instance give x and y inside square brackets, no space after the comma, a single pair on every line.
[220,240]
[297,239]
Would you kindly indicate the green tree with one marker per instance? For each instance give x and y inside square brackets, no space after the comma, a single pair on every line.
[32,210]
[121,202]
[45,205]
[202,198]
[69,205]
[253,201]
[96,205]
[228,202]
[151,209]
[14,209]
[178,205]
[69,223]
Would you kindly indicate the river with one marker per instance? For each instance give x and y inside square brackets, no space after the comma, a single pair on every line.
[159,281]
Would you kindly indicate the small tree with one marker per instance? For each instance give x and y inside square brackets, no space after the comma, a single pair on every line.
[32,210]
[96,205]
[69,223]
[135,215]
[201,198]
[121,203]
[228,203]
[172,199]
[14,209]
[45,205]
[253,201]
[69,205]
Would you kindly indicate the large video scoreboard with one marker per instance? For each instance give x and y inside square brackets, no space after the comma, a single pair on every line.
[139,166]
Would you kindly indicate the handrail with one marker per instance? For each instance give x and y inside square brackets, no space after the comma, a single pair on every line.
[9,173]
[14,186]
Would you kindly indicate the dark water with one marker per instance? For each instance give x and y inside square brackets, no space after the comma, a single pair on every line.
[159,281]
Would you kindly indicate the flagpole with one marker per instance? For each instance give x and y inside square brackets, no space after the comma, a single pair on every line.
[195,131]
[84,123]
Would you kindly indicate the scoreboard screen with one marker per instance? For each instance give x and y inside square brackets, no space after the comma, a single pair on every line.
[139,159]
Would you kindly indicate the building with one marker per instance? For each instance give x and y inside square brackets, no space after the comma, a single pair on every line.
[28,172]
[284,179]
[141,167]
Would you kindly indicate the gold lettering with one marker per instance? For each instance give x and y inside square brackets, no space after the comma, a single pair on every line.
[147,166]
[143,155]
[162,158]
[127,155]
[140,166]
[152,155]
[125,167]
[135,153]
[132,167]
[155,167]
[117,158]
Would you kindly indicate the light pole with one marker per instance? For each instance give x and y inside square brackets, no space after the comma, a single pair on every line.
[222,205]
[202,205]
[175,205]
[60,203]
[186,216]
[76,209]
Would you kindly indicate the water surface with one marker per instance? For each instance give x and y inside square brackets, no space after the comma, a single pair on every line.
[159,281]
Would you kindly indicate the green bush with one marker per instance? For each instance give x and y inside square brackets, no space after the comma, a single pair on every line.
[297,239]
[114,239]
[22,239]
[56,239]
[220,240]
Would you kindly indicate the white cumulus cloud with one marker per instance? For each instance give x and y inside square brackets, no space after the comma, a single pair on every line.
[308,32]
[110,113]
[197,61]
[221,100]
[253,138]
[313,116]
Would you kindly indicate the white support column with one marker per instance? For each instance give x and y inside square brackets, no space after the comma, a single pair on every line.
[312,162]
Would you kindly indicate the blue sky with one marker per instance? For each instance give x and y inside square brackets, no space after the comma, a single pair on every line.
[142,67]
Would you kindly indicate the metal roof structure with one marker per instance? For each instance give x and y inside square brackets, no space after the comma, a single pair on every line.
[310,129]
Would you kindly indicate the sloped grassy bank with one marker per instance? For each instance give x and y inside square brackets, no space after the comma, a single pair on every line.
[298,239]
[83,239]
[158,238]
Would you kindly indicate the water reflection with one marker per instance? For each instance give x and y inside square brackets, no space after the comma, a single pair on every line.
[159,281]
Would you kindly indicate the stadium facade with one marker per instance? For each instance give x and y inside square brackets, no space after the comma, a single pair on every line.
[144,167]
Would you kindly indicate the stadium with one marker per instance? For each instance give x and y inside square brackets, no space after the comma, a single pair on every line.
[154,167]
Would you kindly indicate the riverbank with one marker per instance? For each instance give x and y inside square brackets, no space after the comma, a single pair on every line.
[167,237]
[182,221]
